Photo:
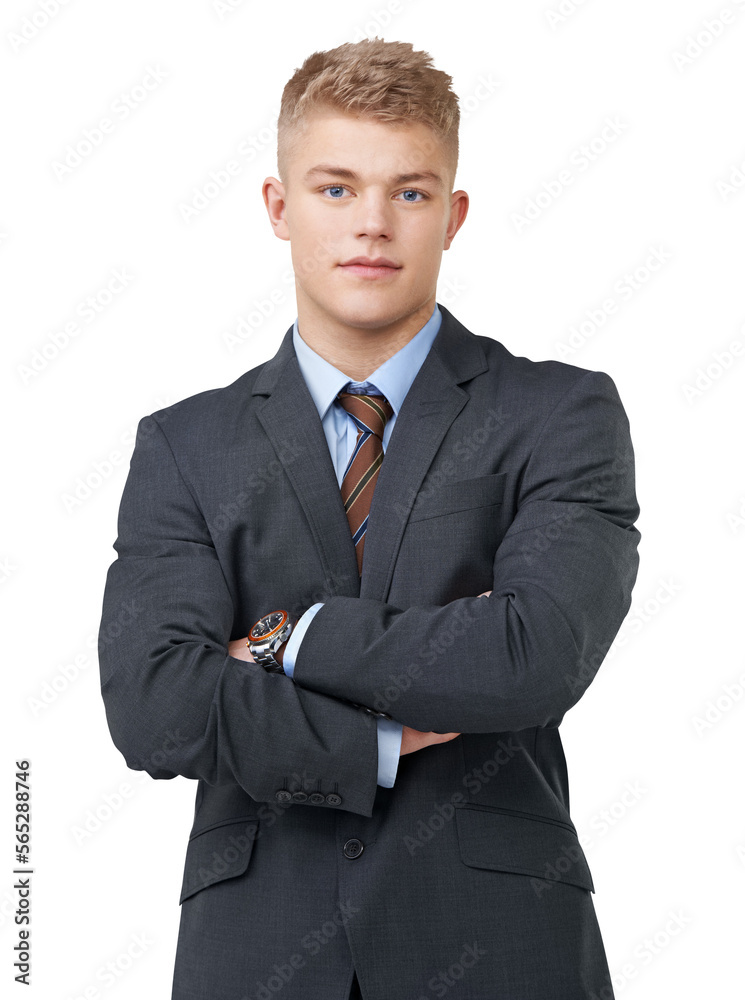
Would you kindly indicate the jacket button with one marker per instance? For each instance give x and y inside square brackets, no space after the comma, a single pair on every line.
[299,796]
[283,795]
[353,848]
[333,799]
[317,798]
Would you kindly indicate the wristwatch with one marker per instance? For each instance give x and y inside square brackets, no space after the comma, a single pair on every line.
[267,635]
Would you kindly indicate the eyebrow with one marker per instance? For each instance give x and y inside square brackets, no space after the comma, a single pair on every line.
[350,175]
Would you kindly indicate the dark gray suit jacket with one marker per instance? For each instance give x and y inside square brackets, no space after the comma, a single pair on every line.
[466,877]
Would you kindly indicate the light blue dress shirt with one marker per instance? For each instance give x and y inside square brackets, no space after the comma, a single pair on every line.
[392,379]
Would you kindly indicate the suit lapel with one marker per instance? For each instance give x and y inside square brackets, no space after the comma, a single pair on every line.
[289,414]
[431,405]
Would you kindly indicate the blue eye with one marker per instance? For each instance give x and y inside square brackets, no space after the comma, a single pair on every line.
[418,196]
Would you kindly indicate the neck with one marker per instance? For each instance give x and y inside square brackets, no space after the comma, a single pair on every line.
[359,351]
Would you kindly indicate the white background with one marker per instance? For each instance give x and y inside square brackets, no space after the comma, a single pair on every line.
[655,794]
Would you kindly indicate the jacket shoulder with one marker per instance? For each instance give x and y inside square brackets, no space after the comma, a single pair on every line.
[548,380]
[521,368]
[210,408]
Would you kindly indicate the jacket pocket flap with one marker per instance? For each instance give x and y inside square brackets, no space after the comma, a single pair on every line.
[448,498]
[543,848]
[218,852]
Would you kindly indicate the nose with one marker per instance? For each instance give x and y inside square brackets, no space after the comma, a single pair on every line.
[374,216]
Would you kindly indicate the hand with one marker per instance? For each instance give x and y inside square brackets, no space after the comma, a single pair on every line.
[485,594]
[412,740]
[240,650]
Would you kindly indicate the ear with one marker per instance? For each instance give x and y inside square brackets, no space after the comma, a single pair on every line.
[274,194]
[458,211]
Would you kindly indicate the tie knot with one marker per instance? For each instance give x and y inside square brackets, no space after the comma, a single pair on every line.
[369,411]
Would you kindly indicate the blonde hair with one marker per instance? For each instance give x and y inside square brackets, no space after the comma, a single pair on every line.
[384,81]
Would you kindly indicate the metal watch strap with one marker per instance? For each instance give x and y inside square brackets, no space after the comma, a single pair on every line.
[265,657]
[372,711]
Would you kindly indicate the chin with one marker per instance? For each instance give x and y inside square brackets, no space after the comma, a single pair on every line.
[368,311]
[367,319]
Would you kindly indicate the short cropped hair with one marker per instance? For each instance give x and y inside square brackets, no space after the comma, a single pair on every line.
[384,81]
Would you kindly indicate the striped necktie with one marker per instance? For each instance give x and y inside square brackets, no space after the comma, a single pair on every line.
[370,413]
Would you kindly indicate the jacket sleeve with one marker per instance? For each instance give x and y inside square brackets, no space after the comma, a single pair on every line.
[176,703]
[563,576]
[389,731]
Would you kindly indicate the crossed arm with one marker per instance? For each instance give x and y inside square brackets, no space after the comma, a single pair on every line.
[411,739]
[563,575]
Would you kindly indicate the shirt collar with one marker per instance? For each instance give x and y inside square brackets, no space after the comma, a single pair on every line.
[393,378]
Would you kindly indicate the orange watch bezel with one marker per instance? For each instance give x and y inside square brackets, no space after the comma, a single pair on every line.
[268,635]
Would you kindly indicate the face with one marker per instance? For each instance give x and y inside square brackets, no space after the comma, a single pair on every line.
[359,188]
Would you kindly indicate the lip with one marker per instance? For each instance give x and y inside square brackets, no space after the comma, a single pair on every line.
[371,267]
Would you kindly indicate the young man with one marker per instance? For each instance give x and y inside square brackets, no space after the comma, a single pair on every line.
[396,516]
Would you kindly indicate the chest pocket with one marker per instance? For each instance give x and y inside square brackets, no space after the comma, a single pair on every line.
[454,497]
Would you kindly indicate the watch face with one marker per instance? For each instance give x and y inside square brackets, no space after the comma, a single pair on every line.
[268,624]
